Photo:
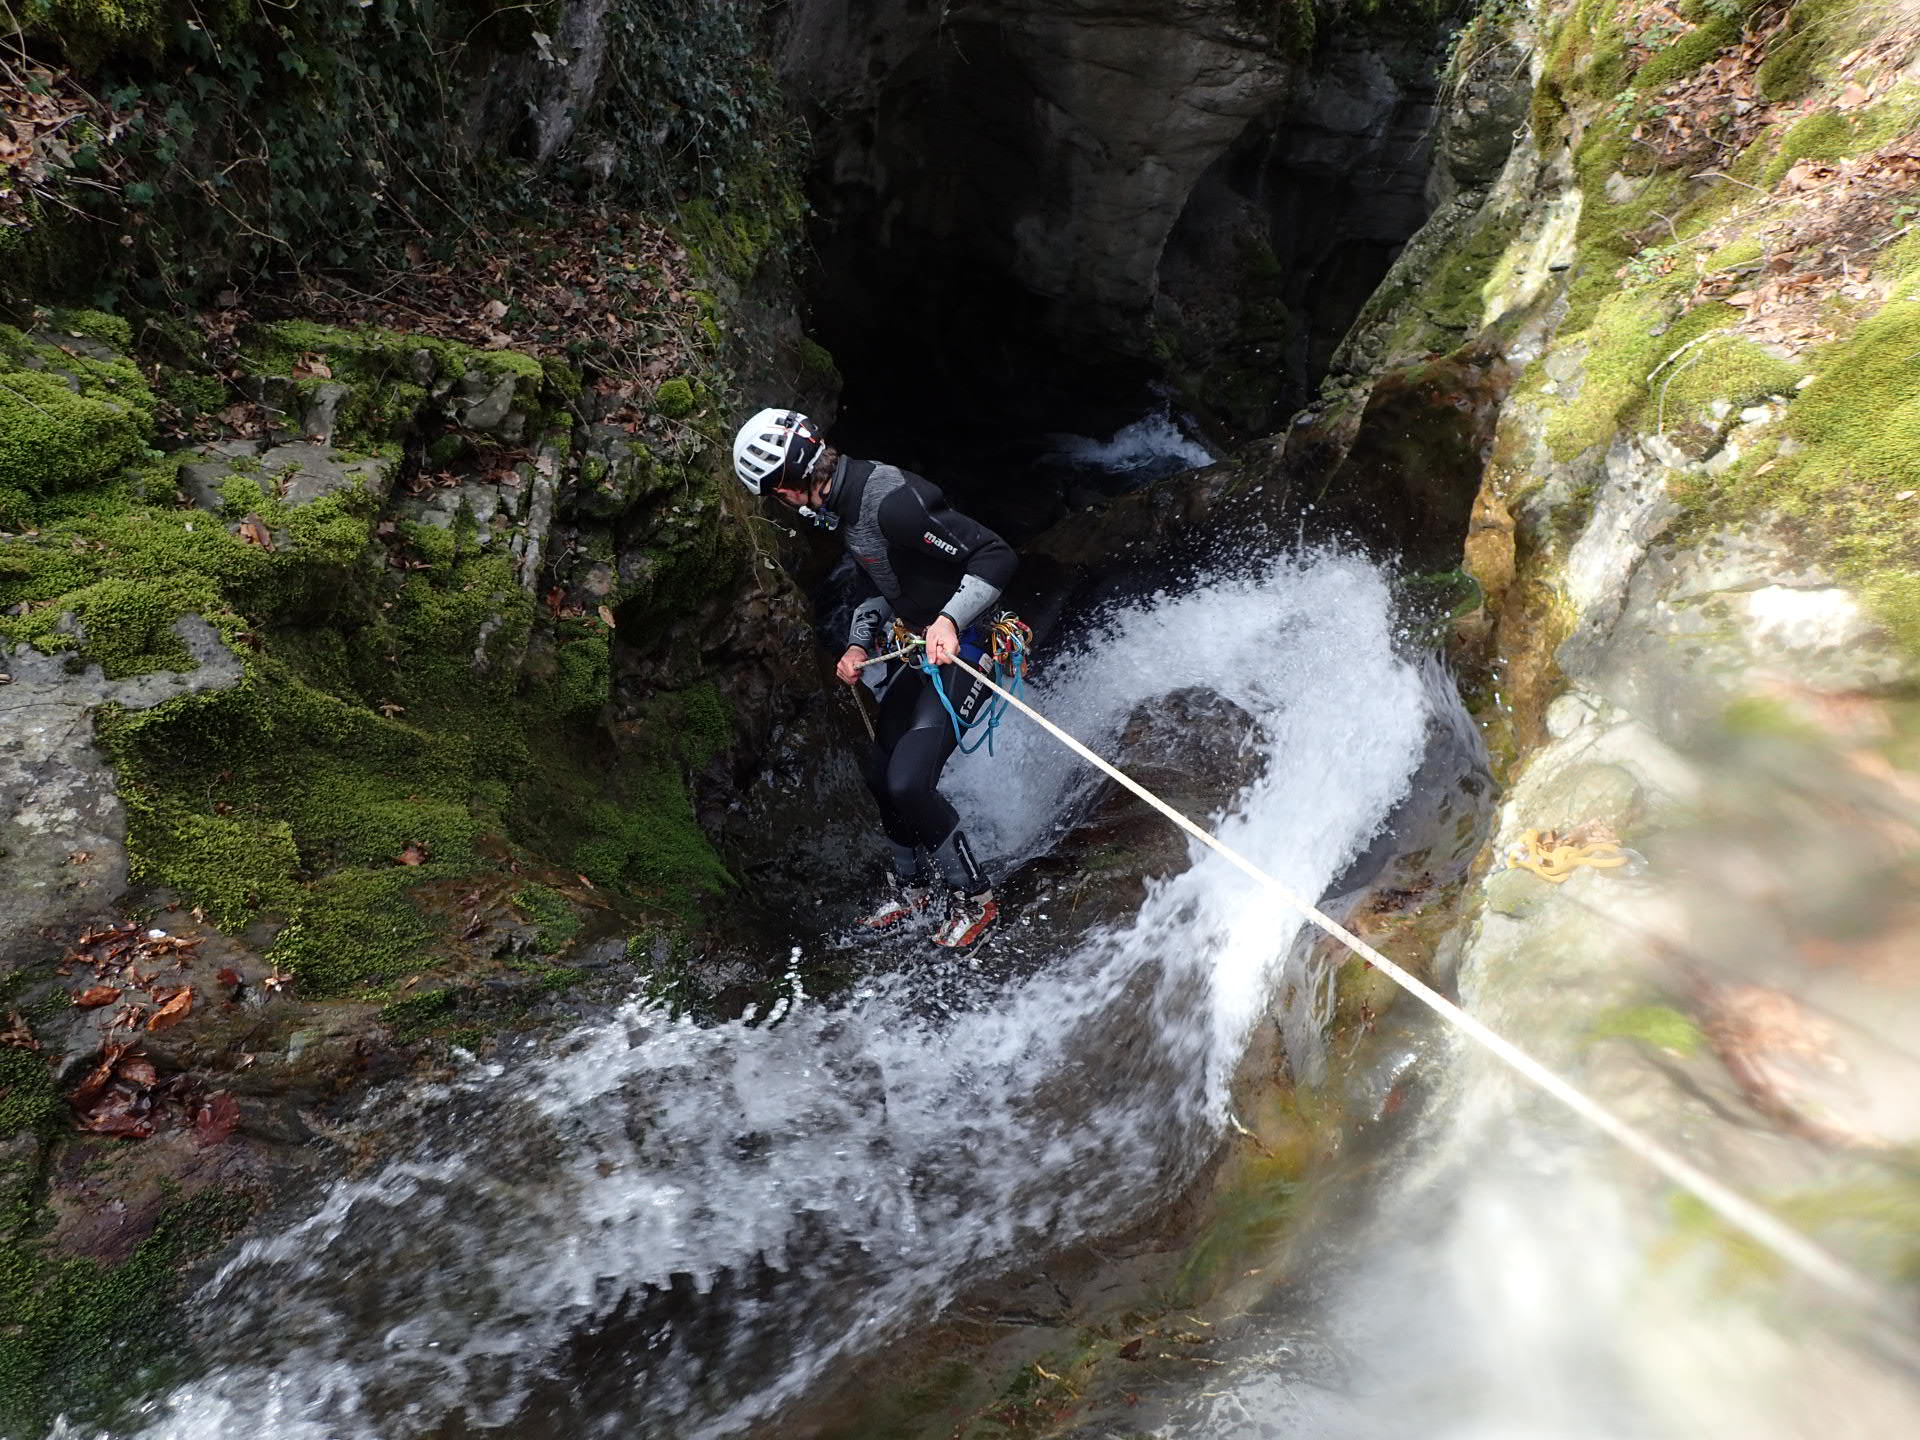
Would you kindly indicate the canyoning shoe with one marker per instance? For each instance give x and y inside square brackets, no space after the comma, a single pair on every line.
[968,918]
[902,902]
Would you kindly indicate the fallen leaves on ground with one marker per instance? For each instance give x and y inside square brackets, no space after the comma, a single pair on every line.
[173,1010]
[216,1117]
[1822,227]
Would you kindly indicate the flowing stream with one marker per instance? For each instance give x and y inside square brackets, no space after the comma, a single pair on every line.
[659,1228]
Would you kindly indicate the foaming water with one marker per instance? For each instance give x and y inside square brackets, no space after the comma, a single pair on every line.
[663,1229]
[1150,447]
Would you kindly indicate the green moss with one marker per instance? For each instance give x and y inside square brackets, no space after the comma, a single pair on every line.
[1823,135]
[55,437]
[511,362]
[447,450]
[1660,1026]
[1856,450]
[1631,334]
[653,842]
[77,1330]
[194,395]
[356,929]
[1687,54]
[1727,368]
[95,325]
[232,867]
[415,1017]
[1874,1221]
[674,398]
[818,370]
[584,683]
[730,241]
[1809,37]
[381,369]
[563,380]
[548,909]
[705,723]
[27,1097]
[89,31]
[1764,715]
[128,625]
[1454,299]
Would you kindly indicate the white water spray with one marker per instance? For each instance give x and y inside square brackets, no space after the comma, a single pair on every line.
[719,1214]
[1150,447]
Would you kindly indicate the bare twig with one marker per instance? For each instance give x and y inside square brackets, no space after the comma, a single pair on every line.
[1722,175]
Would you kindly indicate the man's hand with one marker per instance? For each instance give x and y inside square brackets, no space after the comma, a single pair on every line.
[943,641]
[850,666]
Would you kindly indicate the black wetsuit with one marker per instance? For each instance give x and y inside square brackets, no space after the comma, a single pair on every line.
[922,559]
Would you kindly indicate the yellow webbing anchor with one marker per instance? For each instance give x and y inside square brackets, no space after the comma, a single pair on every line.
[1553,857]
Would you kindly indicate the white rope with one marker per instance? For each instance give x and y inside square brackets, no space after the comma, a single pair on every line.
[904,650]
[1782,1239]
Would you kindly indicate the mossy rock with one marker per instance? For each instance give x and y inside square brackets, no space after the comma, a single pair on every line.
[72,414]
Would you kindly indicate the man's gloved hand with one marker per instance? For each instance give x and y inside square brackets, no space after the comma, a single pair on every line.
[943,641]
[852,662]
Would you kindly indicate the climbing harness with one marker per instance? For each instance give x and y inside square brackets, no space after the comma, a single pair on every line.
[1554,857]
[1782,1239]
[1008,643]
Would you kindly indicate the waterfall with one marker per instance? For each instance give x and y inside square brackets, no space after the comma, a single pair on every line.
[659,1228]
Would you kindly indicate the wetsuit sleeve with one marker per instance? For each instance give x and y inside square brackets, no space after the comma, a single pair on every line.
[917,519]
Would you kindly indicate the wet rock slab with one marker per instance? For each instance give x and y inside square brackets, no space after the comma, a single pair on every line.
[62,824]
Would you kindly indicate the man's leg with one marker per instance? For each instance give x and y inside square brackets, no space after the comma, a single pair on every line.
[912,777]
[908,891]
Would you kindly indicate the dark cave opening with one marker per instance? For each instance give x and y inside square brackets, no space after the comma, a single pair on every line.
[1005,250]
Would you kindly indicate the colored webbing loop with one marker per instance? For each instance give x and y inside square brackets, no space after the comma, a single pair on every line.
[1009,641]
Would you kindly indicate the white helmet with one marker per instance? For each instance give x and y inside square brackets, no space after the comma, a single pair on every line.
[773,443]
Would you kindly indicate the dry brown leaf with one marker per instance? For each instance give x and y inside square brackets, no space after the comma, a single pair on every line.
[414,854]
[173,1011]
[95,996]
[136,1070]
[254,532]
[216,1118]
[98,1078]
[606,617]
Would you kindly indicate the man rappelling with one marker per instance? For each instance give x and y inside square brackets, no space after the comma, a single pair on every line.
[930,575]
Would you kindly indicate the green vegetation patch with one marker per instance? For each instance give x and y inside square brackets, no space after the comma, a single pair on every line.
[68,419]
[675,398]
[1849,475]
[1726,368]
[1631,335]
[387,373]
[128,567]
[27,1097]
[79,1334]
[552,913]
[1816,30]
[1661,1026]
